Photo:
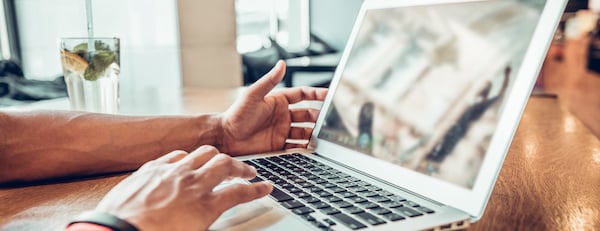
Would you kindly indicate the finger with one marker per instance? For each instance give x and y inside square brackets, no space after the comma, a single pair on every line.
[266,83]
[222,167]
[300,133]
[168,158]
[172,157]
[304,115]
[200,156]
[297,94]
[240,193]
[291,146]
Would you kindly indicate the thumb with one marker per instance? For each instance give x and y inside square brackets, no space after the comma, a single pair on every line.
[266,83]
[240,193]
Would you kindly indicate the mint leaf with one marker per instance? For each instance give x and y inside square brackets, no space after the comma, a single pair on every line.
[99,63]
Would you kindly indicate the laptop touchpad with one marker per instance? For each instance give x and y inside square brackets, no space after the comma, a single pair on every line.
[245,215]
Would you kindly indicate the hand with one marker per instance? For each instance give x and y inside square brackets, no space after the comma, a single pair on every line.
[258,122]
[175,192]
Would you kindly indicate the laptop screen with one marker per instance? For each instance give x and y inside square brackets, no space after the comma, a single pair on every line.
[423,86]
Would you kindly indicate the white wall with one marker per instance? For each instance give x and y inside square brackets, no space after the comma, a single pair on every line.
[148,30]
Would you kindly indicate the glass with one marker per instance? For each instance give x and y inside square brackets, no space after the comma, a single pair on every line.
[92,73]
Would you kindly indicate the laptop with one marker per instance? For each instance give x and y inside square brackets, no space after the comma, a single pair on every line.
[418,119]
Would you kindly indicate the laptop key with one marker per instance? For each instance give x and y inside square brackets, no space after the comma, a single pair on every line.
[332,199]
[380,199]
[408,212]
[292,204]
[392,204]
[279,182]
[339,180]
[298,180]
[347,194]
[319,181]
[293,190]
[373,188]
[425,210]
[335,171]
[314,189]
[343,175]
[393,217]
[303,210]
[329,222]
[330,211]
[411,204]
[310,199]
[337,189]
[362,183]
[309,218]
[343,204]
[357,199]
[307,175]
[256,179]
[321,205]
[328,185]
[287,185]
[314,169]
[301,194]
[380,211]
[353,179]
[370,218]
[385,193]
[347,184]
[322,225]
[368,205]
[354,210]
[368,194]
[357,189]
[348,221]
[306,185]
[280,196]
[324,194]
[397,198]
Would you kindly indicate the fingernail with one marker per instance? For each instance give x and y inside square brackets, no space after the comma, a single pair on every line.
[266,187]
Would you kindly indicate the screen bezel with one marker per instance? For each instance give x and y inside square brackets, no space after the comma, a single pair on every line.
[471,201]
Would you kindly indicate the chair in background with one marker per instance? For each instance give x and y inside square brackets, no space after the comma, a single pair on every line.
[318,57]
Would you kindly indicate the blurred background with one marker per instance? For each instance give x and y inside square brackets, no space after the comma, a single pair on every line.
[228,43]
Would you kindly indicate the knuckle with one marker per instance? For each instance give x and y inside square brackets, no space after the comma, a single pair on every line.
[208,149]
[178,152]
[223,160]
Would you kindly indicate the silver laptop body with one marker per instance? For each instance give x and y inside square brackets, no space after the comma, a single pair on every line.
[418,119]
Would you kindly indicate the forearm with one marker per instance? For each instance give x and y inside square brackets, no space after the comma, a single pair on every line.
[38,145]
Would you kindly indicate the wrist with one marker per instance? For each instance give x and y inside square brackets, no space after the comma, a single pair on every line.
[209,131]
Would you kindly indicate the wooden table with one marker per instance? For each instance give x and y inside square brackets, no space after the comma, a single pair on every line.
[550,179]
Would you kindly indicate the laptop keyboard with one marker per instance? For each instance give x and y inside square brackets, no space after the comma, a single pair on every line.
[304,186]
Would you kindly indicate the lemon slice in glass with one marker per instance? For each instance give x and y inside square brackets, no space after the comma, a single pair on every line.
[72,62]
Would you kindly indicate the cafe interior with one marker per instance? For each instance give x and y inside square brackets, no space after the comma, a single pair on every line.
[180,57]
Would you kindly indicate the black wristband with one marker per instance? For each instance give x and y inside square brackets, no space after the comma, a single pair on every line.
[104,219]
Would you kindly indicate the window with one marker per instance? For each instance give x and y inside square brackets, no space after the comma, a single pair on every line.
[286,21]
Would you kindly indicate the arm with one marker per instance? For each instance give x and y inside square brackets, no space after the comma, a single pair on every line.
[49,144]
